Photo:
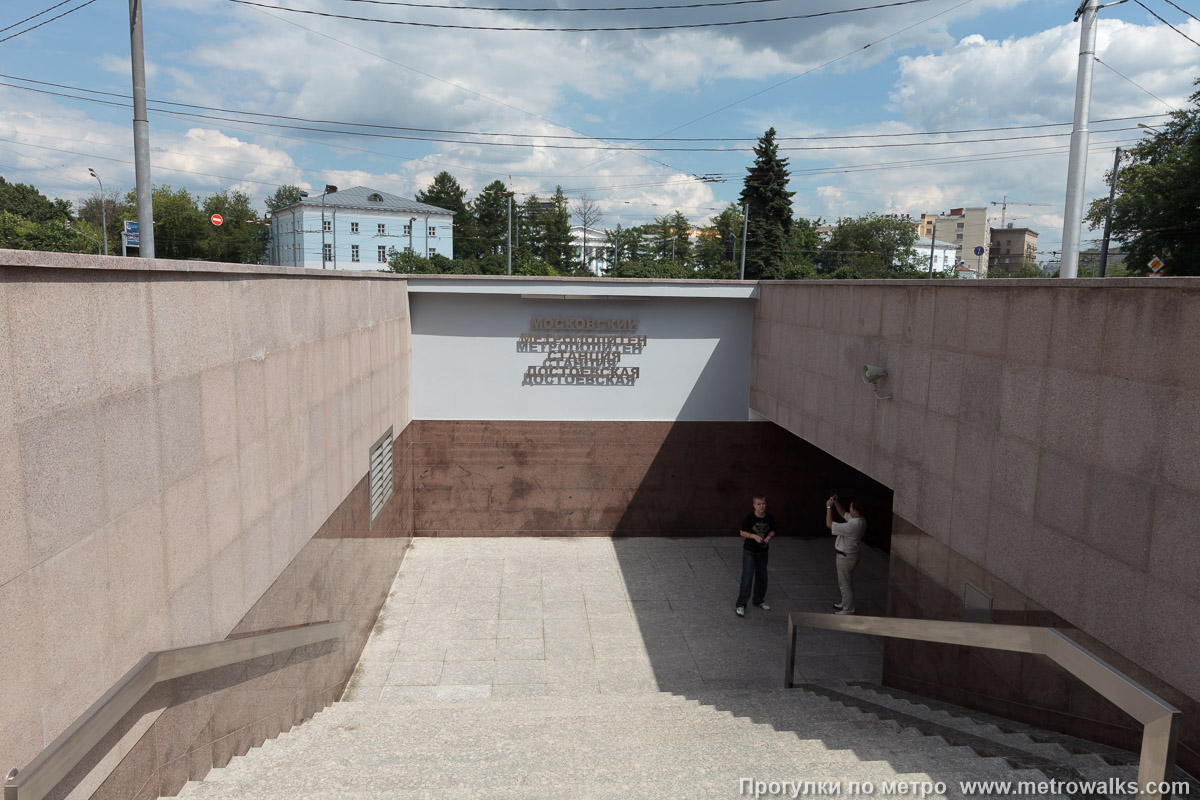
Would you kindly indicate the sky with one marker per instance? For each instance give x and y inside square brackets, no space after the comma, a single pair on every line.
[868,104]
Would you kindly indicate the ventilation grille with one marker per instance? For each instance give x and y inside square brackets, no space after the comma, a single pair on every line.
[380,477]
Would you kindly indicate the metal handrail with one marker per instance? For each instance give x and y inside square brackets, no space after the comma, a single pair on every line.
[54,763]
[1160,719]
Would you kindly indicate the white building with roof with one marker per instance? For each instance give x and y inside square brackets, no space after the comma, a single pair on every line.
[592,248]
[944,255]
[356,229]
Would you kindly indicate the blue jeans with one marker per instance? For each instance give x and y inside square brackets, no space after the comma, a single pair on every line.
[754,573]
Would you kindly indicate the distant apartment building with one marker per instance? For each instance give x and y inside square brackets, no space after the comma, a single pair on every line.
[356,229]
[968,228]
[1011,246]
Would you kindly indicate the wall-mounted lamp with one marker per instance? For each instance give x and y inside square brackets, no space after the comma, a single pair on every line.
[871,375]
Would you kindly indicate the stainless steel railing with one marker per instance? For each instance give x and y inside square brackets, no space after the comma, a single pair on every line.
[1159,719]
[40,776]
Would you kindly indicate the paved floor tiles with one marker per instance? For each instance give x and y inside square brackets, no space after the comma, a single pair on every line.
[474,618]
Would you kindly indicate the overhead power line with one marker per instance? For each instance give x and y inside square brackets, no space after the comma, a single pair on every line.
[1184,10]
[681,26]
[35,16]
[1134,83]
[564,10]
[598,146]
[433,77]
[1163,21]
[44,22]
[589,147]
[578,137]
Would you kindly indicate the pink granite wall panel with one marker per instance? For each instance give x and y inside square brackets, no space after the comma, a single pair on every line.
[171,436]
[1043,431]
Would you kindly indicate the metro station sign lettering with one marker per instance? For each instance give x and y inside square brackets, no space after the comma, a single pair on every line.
[581,324]
[581,359]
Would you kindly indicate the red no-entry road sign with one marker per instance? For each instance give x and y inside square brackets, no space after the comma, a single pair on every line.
[216,219]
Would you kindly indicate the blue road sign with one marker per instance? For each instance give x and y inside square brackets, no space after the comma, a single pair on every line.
[978,251]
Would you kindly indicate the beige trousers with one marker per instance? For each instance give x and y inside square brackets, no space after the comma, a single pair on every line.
[845,570]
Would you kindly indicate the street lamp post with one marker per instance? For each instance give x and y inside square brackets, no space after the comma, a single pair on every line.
[412,221]
[103,216]
[745,228]
[932,247]
[67,226]
[329,189]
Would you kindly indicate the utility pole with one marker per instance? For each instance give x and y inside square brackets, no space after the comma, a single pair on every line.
[508,249]
[141,133]
[932,245]
[1112,195]
[1088,11]
[745,225]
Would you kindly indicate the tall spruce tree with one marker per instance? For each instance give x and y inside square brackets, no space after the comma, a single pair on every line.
[557,247]
[445,192]
[491,221]
[769,205]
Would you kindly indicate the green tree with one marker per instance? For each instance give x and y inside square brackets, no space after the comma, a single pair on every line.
[526,263]
[804,247]
[19,233]
[1157,208]
[114,210]
[178,224]
[556,247]
[445,192]
[871,246]
[675,242]
[490,210]
[529,227]
[1024,269]
[717,249]
[408,263]
[769,205]
[626,245]
[284,196]
[25,201]
[241,238]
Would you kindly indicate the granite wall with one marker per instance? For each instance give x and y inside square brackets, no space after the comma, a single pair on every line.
[1045,431]
[926,581]
[172,435]
[516,478]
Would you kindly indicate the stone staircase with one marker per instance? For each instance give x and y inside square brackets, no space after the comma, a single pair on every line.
[595,669]
[653,745]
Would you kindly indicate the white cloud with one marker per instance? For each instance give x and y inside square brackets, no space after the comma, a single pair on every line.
[530,82]
[986,83]
[1032,78]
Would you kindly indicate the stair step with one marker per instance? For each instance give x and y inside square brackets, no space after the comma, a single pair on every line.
[643,745]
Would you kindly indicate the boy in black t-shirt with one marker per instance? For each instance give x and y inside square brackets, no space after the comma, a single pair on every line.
[758,529]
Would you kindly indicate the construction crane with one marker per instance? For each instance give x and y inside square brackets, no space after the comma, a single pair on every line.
[1005,203]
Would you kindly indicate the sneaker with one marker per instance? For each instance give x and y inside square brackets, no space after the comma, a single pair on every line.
[740,611]
[763,606]
[837,606]
[842,611]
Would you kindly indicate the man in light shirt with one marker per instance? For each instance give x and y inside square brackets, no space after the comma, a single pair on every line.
[849,536]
